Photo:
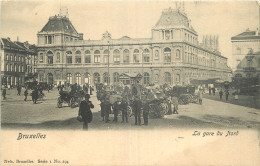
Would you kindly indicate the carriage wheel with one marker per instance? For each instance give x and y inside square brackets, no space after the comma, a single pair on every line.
[59,103]
[129,111]
[72,102]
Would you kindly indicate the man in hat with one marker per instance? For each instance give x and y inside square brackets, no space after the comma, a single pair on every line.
[117,106]
[85,112]
[107,108]
[200,95]
[124,110]
[146,109]
[137,105]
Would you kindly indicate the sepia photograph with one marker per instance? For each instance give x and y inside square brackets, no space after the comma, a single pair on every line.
[134,82]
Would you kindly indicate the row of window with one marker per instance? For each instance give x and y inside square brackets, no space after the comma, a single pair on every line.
[14,58]
[106,78]
[115,56]
[15,68]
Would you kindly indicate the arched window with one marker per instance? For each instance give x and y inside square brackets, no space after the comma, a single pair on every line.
[41,58]
[15,58]
[105,56]
[87,78]
[97,56]
[49,78]
[11,67]
[58,57]
[167,55]
[7,67]
[136,56]
[106,78]
[146,78]
[11,57]
[126,56]
[69,78]
[78,57]
[50,57]
[96,78]
[116,77]
[167,77]
[177,78]
[116,56]
[156,55]
[178,54]
[78,79]
[6,56]
[87,56]
[146,55]
[156,78]
[69,57]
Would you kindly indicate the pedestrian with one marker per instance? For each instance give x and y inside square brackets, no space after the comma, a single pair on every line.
[91,89]
[117,106]
[25,94]
[124,110]
[137,104]
[102,107]
[35,95]
[227,94]
[19,88]
[85,112]
[4,93]
[200,95]
[214,91]
[209,90]
[220,94]
[175,105]
[170,105]
[146,109]
[107,109]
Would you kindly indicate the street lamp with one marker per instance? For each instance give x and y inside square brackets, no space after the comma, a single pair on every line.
[108,77]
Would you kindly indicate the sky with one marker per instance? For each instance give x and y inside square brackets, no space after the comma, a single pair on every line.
[24,19]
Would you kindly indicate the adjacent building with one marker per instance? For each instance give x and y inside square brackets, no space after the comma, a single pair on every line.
[172,55]
[246,54]
[15,69]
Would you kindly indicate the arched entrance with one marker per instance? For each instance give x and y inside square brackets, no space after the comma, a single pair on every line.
[50,78]
[87,79]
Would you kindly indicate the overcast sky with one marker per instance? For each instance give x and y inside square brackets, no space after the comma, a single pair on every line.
[128,18]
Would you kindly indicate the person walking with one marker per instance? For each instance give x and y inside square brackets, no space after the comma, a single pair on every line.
[107,109]
[25,94]
[227,94]
[200,95]
[175,105]
[117,106]
[19,89]
[146,109]
[137,104]
[4,93]
[124,110]
[170,105]
[85,111]
[102,109]
[214,91]
[220,94]
[35,95]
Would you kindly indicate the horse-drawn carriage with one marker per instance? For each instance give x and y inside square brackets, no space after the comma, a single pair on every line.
[73,99]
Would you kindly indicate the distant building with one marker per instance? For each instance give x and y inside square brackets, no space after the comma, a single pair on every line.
[172,55]
[16,67]
[246,54]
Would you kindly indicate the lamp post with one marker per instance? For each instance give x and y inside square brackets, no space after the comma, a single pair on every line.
[108,77]
[143,68]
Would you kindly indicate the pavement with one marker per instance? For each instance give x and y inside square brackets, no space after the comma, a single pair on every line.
[18,114]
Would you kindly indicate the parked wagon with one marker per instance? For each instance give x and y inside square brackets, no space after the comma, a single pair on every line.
[72,99]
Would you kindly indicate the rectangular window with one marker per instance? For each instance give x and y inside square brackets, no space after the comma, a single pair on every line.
[88,59]
[69,59]
[97,59]
[50,40]
[78,59]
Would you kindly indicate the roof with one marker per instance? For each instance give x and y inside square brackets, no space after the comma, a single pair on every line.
[59,24]
[247,35]
[173,18]
[9,44]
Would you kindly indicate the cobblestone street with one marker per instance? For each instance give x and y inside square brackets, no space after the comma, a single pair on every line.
[18,114]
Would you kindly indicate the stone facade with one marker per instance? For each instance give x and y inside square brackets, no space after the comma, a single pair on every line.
[245,54]
[172,55]
[14,65]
